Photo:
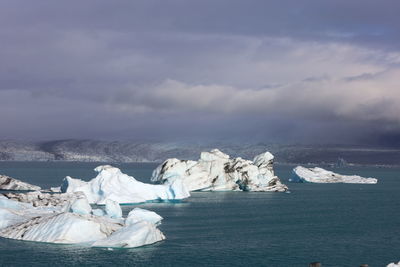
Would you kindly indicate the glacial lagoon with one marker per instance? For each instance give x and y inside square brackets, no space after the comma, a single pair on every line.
[336,224]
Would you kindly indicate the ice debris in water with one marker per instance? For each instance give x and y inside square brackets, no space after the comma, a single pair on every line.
[319,175]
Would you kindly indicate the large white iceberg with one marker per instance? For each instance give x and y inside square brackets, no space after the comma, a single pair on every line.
[9,183]
[319,175]
[216,171]
[75,223]
[114,185]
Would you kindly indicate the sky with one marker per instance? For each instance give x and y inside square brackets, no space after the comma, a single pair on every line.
[283,71]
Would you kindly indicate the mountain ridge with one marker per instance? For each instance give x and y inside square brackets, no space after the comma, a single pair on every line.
[129,151]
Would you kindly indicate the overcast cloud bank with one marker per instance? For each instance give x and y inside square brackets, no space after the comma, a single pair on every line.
[272,70]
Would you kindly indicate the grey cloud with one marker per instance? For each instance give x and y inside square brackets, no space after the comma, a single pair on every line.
[359,20]
[288,70]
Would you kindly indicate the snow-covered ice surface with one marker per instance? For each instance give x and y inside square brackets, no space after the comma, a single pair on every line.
[98,212]
[319,175]
[9,183]
[39,199]
[393,264]
[81,206]
[13,212]
[216,171]
[75,223]
[112,184]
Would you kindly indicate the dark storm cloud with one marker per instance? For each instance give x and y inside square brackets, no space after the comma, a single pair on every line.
[324,71]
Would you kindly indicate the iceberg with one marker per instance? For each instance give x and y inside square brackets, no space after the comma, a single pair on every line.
[319,175]
[68,228]
[114,185]
[75,225]
[216,171]
[393,264]
[9,183]
[10,204]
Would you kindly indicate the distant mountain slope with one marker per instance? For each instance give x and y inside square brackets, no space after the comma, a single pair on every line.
[23,151]
[124,151]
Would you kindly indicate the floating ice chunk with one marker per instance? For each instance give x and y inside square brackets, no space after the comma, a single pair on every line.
[81,206]
[393,264]
[98,212]
[62,228]
[9,183]
[113,209]
[139,214]
[319,175]
[112,184]
[48,224]
[134,235]
[45,225]
[216,171]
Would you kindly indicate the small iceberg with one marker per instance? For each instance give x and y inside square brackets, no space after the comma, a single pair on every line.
[393,264]
[216,171]
[77,223]
[138,214]
[319,175]
[9,183]
[114,185]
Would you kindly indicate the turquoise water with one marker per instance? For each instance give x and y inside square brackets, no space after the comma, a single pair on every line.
[336,224]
